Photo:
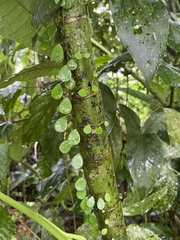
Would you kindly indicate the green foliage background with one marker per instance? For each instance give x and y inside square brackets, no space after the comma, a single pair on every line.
[141,100]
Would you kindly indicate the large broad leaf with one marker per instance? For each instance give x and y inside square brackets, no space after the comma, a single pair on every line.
[169,74]
[174,35]
[164,194]
[42,110]
[109,103]
[16,22]
[172,121]
[31,73]
[50,154]
[142,28]
[135,232]
[144,153]
[4,163]
[6,224]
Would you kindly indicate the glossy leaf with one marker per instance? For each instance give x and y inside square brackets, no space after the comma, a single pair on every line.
[61,124]
[82,92]
[70,84]
[81,194]
[74,137]
[57,92]
[91,202]
[87,129]
[65,107]
[109,103]
[144,153]
[77,161]
[80,184]
[65,146]
[64,74]
[57,54]
[71,64]
[100,204]
[142,28]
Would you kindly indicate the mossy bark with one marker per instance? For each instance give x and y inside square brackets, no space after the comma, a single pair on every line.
[95,148]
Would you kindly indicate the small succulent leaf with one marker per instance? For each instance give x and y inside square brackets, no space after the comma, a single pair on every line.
[91,202]
[82,92]
[74,137]
[64,74]
[100,204]
[65,146]
[61,124]
[81,194]
[71,64]
[57,92]
[77,161]
[70,84]
[87,129]
[57,54]
[80,184]
[65,107]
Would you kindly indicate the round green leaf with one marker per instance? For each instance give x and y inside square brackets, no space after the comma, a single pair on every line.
[104,231]
[71,64]
[78,55]
[77,161]
[64,74]
[65,146]
[91,202]
[57,53]
[87,55]
[83,204]
[106,123]
[80,184]
[99,130]
[95,74]
[92,219]
[87,129]
[107,197]
[61,124]
[57,92]
[100,204]
[65,107]
[95,88]
[81,194]
[74,137]
[70,84]
[82,92]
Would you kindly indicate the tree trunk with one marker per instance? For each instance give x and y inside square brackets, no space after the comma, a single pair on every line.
[95,148]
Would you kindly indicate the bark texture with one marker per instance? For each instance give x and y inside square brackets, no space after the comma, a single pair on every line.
[95,149]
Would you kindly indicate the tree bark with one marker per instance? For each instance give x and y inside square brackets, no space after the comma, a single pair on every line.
[95,148]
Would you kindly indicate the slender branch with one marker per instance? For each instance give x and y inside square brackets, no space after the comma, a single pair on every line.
[101,47]
[141,80]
